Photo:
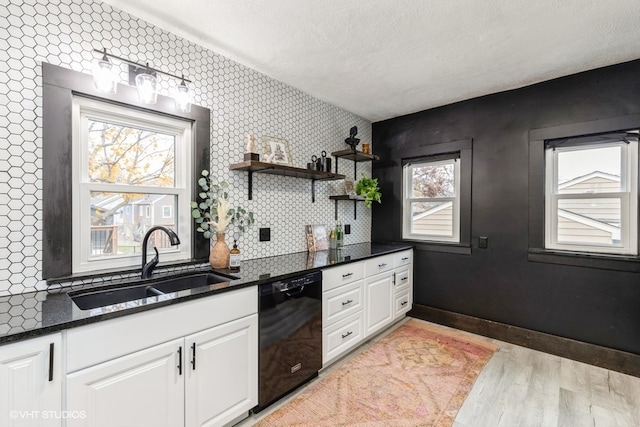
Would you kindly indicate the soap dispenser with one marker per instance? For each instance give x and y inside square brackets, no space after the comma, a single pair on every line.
[234,257]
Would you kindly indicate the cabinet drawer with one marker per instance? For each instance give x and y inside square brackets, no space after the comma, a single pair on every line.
[378,265]
[402,304]
[341,275]
[403,258]
[341,302]
[342,337]
[402,279]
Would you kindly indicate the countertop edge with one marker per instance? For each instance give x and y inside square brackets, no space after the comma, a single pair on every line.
[8,338]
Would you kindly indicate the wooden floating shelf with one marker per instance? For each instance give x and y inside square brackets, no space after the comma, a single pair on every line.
[256,166]
[345,197]
[356,156]
[277,169]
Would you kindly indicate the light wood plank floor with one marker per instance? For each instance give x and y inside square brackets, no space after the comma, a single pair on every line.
[520,387]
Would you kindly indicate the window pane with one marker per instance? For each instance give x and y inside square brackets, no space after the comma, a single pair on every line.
[433,181]
[594,170]
[589,221]
[127,155]
[119,222]
[432,218]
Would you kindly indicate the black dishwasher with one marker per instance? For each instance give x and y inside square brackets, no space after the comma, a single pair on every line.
[290,331]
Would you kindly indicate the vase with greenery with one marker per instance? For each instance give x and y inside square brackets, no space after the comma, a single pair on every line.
[368,188]
[214,215]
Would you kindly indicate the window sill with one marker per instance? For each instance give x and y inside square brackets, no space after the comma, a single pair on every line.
[450,248]
[602,261]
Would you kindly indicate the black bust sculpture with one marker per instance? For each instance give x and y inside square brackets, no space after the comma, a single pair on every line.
[352,141]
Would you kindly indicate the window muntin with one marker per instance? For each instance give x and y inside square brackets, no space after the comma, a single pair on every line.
[431,209]
[591,197]
[125,158]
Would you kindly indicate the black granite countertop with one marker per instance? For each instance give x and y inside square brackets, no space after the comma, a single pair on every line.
[37,313]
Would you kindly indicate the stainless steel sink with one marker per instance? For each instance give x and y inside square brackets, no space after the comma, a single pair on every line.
[189,282]
[88,299]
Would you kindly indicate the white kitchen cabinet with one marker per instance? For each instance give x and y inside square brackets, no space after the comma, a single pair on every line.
[221,373]
[379,302]
[30,382]
[342,310]
[202,370]
[403,283]
[145,388]
[360,299]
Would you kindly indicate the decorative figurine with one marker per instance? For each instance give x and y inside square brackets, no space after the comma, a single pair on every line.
[251,151]
[352,141]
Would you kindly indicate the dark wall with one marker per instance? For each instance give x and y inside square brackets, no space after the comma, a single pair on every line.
[500,283]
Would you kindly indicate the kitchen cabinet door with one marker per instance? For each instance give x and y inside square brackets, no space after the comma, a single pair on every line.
[222,373]
[30,383]
[379,302]
[145,388]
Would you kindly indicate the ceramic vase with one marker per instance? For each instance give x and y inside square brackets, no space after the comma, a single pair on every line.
[219,255]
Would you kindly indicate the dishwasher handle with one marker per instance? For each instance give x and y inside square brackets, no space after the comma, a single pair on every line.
[293,291]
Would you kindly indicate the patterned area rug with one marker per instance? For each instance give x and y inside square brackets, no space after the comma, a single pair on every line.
[418,375]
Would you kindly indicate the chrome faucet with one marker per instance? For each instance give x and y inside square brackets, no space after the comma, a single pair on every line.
[147,267]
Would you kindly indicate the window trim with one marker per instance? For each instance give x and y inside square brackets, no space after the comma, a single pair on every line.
[628,204]
[59,87]
[85,109]
[465,148]
[537,251]
[407,200]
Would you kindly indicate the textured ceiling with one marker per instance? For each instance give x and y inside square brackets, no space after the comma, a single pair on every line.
[385,58]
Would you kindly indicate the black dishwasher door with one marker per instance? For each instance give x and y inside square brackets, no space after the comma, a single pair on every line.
[290,319]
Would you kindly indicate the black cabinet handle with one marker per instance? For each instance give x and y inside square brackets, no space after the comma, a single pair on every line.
[193,357]
[404,278]
[347,275]
[180,360]
[346,335]
[51,361]
[403,303]
[382,265]
[347,302]
[405,258]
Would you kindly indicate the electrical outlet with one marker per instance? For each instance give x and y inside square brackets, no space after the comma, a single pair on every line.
[265,234]
[483,242]
[347,229]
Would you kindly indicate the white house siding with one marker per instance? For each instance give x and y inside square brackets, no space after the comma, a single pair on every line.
[596,184]
[438,223]
[577,232]
[603,210]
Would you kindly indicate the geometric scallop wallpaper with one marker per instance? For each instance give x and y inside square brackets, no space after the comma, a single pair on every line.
[242,101]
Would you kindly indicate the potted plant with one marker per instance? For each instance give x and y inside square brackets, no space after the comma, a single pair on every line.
[214,215]
[368,188]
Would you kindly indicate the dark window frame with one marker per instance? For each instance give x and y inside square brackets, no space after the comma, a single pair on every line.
[465,149]
[59,87]
[537,251]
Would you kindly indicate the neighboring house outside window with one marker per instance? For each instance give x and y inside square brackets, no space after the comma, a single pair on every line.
[431,207]
[591,196]
[123,158]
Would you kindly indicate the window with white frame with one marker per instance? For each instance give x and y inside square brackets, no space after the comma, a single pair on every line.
[123,158]
[166,212]
[431,202]
[591,202]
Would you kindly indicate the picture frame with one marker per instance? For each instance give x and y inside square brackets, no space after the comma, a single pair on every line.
[317,238]
[349,187]
[276,150]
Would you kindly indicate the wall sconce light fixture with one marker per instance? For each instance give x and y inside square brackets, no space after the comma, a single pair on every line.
[105,76]
[144,78]
[183,97]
